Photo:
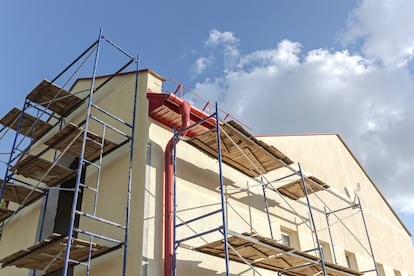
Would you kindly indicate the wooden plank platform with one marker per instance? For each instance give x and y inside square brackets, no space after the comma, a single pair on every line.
[264,157]
[54,98]
[49,254]
[36,168]
[64,137]
[18,193]
[294,190]
[5,213]
[268,254]
[30,125]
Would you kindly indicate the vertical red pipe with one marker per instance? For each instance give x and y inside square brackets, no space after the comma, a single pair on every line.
[185,109]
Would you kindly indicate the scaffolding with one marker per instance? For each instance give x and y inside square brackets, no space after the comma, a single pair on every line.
[59,136]
[229,143]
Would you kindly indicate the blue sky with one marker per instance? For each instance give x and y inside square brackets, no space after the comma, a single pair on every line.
[351,57]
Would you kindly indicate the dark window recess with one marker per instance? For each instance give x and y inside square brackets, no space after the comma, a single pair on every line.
[64,208]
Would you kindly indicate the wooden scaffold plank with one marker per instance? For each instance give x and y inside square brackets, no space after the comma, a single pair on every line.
[54,98]
[49,255]
[18,193]
[294,190]
[30,126]
[5,213]
[42,170]
[241,150]
[269,254]
[66,136]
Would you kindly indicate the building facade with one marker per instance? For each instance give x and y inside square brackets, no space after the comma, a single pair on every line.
[214,200]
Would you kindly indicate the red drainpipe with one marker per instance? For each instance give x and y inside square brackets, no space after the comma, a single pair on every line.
[185,109]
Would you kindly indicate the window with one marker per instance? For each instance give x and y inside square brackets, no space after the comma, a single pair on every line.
[289,238]
[380,269]
[351,260]
[397,273]
[348,261]
[285,239]
[326,251]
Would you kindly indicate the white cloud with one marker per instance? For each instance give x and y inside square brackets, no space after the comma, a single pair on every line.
[386,30]
[216,38]
[286,55]
[403,203]
[201,64]
[283,90]
[226,43]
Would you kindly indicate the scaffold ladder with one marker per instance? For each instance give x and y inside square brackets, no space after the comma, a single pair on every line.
[79,186]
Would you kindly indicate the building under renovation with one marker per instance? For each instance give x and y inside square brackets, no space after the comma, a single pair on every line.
[113,174]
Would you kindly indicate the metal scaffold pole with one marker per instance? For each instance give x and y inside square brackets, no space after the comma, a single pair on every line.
[330,235]
[222,193]
[81,162]
[267,211]
[319,248]
[175,137]
[368,238]
[130,169]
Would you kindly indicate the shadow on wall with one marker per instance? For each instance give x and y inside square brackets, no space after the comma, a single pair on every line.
[209,179]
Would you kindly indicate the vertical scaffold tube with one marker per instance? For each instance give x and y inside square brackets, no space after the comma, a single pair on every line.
[222,194]
[81,161]
[131,164]
[305,190]
[369,240]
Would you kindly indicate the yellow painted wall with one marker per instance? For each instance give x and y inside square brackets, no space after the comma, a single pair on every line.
[20,233]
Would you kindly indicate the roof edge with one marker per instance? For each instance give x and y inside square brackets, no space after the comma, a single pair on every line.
[149,71]
[375,186]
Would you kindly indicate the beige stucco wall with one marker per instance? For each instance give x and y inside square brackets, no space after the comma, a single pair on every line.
[326,157]
[323,156]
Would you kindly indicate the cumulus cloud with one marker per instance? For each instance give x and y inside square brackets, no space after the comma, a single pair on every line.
[283,90]
[201,64]
[225,43]
[385,29]
[216,38]
[286,54]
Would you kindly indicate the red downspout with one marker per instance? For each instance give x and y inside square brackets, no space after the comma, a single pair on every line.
[185,109]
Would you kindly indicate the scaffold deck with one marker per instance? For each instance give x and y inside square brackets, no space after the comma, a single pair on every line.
[54,98]
[70,139]
[5,213]
[30,126]
[241,150]
[266,253]
[294,190]
[21,194]
[49,254]
[42,170]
